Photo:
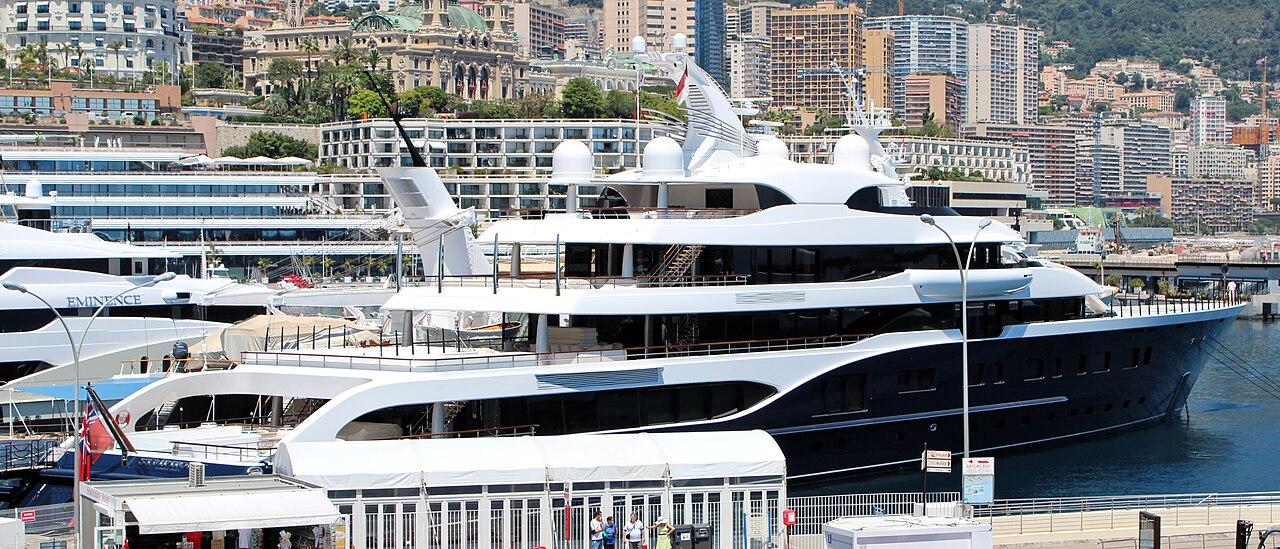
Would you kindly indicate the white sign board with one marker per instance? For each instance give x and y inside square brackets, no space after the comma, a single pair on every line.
[757,526]
[937,465]
[980,466]
[937,454]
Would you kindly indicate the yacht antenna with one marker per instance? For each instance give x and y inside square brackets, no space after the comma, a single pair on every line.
[394,113]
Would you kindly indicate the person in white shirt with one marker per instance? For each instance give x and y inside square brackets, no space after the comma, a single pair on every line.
[597,531]
[634,530]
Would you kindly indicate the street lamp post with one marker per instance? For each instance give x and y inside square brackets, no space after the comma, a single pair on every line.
[963,266]
[76,347]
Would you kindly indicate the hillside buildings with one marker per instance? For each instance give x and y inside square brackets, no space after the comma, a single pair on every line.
[1223,205]
[1051,151]
[1004,74]
[925,44]
[933,97]
[806,42]
[123,38]
[1209,121]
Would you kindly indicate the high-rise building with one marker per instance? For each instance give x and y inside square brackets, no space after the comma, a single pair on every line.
[708,39]
[623,20]
[749,67]
[1209,121]
[1224,162]
[936,97]
[1052,152]
[1004,73]
[540,30]
[1223,205]
[924,44]
[1268,188]
[149,34]
[877,84]
[1145,149]
[806,41]
[754,16]
[1098,166]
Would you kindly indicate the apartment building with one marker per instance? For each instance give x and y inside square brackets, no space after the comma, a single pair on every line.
[1004,74]
[754,16]
[222,48]
[877,85]
[1099,171]
[1209,121]
[124,38]
[749,62]
[709,39]
[539,29]
[1051,151]
[1223,205]
[939,97]
[805,44]
[1225,162]
[481,146]
[995,160]
[1160,101]
[1268,187]
[1146,149]
[925,44]
[63,98]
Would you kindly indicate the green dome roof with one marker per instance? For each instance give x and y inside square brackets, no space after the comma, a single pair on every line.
[410,18]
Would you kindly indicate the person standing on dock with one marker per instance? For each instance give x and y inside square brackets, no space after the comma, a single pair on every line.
[634,530]
[597,530]
[610,534]
[665,533]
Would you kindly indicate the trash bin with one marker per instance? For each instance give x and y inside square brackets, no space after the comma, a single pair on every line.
[692,536]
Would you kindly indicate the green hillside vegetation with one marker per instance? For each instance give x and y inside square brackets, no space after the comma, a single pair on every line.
[1233,33]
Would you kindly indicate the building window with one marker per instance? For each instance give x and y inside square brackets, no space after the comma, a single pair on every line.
[99,7]
[42,7]
[22,25]
[129,26]
[42,24]
[128,9]
[21,8]
[73,7]
[99,25]
[73,25]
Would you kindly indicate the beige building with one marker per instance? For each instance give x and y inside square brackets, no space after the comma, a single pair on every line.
[656,20]
[421,44]
[1052,153]
[939,95]
[1160,101]
[806,41]
[1268,187]
[149,35]
[749,66]
[1224,205]
[1004,77]
[539,29]
[877,83]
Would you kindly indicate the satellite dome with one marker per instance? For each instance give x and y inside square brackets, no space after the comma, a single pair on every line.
[853,150]
[34,189]
[772,148]
[571,161]
[663,159]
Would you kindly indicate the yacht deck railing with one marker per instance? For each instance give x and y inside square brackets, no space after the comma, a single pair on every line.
[549,281]
[518,359]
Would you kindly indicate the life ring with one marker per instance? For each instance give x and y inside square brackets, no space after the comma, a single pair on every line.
[123,418]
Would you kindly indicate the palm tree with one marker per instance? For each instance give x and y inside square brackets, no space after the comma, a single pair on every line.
[309,46]
[116,46]
[343,51]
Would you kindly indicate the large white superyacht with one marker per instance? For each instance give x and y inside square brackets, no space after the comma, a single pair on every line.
[720,287]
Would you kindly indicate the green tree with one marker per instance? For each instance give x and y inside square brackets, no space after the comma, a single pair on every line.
[428,100]
[1136,284]
[619,104]
[537,105]
[1114,279]
[273,145]
[582,99]
[211,75]
[365,103]
[284,73]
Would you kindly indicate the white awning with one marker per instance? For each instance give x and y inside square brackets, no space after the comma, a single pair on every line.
[272,509]
[341,465]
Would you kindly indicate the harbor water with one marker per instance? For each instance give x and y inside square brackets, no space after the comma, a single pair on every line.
[1229,443]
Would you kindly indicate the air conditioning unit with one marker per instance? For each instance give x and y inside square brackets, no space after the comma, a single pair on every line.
[195,475]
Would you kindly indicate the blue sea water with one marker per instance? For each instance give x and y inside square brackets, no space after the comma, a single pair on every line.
[1230,443]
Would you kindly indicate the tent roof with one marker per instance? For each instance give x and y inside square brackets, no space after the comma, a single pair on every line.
[531,460]
[268,509]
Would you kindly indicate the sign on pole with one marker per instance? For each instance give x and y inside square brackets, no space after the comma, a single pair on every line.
[936,461]
[978,485]
[27,516]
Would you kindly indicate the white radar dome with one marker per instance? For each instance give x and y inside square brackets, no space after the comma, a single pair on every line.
[571,161]
[34,188]
[853,150]
[772,148]
[663,159]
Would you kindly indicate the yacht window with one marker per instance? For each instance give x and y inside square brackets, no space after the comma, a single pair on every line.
[916,380]
[839,394]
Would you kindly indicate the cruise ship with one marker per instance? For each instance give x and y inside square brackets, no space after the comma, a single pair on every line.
[719,287]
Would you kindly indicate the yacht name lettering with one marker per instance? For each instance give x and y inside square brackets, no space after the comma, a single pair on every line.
[99,300]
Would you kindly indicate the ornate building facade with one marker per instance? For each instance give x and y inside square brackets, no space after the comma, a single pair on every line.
[427,44]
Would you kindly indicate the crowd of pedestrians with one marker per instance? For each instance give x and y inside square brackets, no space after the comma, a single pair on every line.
[605,533]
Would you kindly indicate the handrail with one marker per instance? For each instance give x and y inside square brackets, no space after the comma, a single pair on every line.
[1025,506]
[513,428]
[647,213]
[525,359]
[547,280]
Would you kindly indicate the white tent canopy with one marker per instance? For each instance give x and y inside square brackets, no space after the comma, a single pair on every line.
[270,509]
[531,460]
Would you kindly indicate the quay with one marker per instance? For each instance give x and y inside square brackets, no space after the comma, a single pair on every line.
[1256,278]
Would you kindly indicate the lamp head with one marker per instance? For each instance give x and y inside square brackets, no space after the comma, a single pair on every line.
[984,223]
[928,220]
[164,277]
[14,286]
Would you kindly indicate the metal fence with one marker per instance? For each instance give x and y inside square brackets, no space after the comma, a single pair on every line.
[26,453]
[1030,516]
[46,519]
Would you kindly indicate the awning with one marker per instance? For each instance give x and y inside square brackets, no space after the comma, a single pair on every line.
[108,390]
[177,514]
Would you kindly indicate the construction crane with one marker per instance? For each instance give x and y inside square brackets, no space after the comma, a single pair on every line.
[954,68]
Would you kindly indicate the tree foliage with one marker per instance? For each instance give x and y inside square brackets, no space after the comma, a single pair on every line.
[582,99]
[273,145]
[211,75]
[365,104]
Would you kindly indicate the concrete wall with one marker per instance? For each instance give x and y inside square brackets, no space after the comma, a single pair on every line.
[230,134]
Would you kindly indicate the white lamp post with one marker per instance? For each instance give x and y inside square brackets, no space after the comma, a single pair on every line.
[963,266]
[75,357]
